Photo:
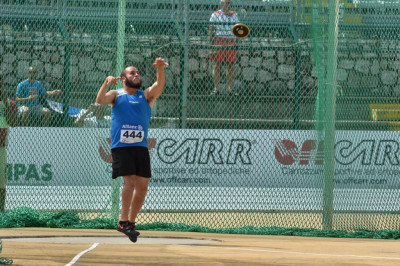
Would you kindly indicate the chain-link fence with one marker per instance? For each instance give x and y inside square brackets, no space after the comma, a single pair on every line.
[292,126]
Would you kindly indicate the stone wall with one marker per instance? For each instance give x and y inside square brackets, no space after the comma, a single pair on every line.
[369,68]
[264,66]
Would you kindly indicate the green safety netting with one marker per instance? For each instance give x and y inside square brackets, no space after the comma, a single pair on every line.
[299,139]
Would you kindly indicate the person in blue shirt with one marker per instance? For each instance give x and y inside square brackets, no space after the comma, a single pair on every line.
[130,119]
[27,98]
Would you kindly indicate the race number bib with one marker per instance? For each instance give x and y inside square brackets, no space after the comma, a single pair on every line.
[131,134]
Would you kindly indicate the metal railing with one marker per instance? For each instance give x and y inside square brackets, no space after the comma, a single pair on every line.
[278,11]
[143,10]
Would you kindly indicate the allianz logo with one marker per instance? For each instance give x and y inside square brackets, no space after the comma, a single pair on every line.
[133,102]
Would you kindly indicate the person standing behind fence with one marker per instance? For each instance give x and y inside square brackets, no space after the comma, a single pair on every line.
[28,93]
[8,112]
[130,119]
[221,35]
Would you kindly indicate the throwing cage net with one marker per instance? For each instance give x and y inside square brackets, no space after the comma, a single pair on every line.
[289,130]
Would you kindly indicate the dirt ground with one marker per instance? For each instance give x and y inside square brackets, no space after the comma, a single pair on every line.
[109,247]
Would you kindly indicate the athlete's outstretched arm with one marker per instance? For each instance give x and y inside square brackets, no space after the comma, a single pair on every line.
[104,97]
[156,89]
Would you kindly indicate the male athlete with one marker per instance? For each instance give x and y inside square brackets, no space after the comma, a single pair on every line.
[130,119]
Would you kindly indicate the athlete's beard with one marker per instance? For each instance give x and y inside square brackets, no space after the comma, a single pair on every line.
[134,85]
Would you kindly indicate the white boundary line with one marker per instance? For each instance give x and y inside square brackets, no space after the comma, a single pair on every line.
[76,258]
[306,253]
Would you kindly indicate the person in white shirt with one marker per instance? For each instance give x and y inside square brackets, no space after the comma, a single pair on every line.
[221,34]
[94,116]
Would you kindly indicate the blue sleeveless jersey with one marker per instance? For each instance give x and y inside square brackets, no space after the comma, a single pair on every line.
[130,120]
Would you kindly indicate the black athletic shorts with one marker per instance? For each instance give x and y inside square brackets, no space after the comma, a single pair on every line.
[130,161]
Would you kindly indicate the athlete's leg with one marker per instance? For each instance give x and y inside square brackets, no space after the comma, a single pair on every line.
[124,226]
[141,185]
[126,196]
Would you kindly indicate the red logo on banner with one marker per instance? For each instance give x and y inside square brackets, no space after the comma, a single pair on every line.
[105,151]
[151,143]
[287,152]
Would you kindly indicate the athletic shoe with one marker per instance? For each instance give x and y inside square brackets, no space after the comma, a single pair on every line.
[134,236]
[128,229]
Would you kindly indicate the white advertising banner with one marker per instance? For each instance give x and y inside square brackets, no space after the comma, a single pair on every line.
[212,169]
[227,158]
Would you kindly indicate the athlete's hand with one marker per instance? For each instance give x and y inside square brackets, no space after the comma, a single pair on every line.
[113,80]
[159,63]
